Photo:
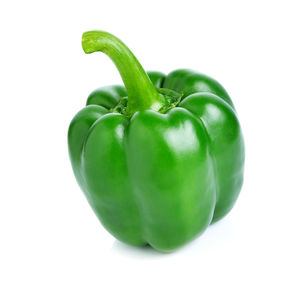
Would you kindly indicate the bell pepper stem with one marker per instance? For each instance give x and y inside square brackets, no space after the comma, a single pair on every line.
[142,95]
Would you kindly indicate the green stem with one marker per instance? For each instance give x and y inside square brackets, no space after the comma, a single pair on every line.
[142,95]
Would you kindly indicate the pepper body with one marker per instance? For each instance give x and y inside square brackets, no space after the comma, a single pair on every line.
[159,176]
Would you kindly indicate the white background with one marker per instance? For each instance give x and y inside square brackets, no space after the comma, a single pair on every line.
[48,231]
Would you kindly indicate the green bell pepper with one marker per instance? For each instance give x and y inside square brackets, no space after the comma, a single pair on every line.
[160,159]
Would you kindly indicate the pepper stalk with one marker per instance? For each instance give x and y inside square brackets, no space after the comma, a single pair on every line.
[142,95]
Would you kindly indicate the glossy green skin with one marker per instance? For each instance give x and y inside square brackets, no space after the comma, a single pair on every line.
[159,179]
